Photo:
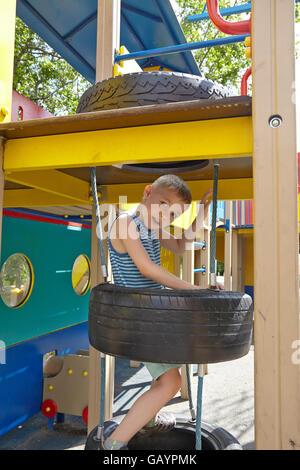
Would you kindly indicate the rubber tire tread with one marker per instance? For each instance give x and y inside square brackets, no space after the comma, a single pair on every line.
[181,437]
[170,326]
[148,88]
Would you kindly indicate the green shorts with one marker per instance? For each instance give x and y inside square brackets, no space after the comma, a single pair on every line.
[156,370]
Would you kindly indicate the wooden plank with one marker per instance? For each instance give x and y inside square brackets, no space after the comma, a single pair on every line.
[130,117]
[276,243]
[228,246]
[170,142]
[227,190]
[238,262]
[188,276]
[53,182]
[108,26]
[108,37]
[33,197]
[95,361]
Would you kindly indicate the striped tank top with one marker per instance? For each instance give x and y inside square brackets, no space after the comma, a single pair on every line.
[125,272]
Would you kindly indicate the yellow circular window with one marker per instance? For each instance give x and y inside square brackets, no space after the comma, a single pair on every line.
[81,275]
[16,280]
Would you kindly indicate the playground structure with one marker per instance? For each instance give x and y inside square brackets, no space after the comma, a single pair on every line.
[242,134]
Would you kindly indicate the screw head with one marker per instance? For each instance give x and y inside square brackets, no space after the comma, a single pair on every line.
[275,121]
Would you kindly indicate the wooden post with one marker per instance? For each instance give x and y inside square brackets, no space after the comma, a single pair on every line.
[108,39]
[188,276]
[238,262]
[276,246]
[228,246]
[95,362]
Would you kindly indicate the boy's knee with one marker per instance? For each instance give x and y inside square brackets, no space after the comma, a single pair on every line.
[171,380]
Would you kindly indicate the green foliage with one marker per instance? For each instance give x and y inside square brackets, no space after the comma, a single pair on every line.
[220,268]
[224,64]
[43,76]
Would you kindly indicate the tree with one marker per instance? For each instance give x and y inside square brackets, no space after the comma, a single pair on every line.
[224,64]
[43,76]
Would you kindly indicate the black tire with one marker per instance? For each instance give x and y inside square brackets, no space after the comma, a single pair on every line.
[170,326]
[181,437]
[148,88]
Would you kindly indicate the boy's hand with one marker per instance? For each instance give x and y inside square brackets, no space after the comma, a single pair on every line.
[206,202]
[206,196]
[220,286]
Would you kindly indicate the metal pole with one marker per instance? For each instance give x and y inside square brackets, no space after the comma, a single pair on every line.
[213,279]
[223,11]
[199,407]
[192,409]
[180,48]
[100,430]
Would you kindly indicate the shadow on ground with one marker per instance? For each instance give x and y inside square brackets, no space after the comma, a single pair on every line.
[130,383]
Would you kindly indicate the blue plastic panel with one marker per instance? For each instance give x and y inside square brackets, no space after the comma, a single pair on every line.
[70,28]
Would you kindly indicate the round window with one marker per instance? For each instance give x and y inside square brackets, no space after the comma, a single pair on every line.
[16,280]
[81,275]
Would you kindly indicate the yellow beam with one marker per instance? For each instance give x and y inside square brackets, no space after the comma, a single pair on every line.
[219,138]
[122,193]
[228,189]
[35,198]
[54,182]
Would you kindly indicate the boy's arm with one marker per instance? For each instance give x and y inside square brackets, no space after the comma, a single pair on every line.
[128,234]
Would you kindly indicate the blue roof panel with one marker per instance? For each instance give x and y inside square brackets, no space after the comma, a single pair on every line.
[70,28]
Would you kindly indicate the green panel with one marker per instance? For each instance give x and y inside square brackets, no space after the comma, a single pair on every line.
[53,304]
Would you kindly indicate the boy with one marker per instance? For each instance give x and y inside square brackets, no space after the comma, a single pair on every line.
[134,243]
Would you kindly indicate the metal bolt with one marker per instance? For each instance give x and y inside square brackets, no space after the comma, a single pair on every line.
[275,121]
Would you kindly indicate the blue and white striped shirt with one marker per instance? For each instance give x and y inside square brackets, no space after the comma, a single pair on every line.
[125,272]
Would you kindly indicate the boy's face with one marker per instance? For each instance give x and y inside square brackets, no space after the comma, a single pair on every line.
[163,205]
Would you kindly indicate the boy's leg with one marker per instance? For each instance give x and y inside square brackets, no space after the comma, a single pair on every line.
[148,405]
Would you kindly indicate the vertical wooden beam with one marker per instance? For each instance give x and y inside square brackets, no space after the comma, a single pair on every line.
[276,246]
[188,265]
[228,246]
[238,262]
[94,361]
[188,276]
[108,39]
[110,360]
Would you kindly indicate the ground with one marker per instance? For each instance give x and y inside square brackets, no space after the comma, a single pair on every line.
[228,401]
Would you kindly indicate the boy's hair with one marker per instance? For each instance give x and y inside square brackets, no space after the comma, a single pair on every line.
[175,183]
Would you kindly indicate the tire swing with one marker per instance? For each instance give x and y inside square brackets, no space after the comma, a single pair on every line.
[191,327]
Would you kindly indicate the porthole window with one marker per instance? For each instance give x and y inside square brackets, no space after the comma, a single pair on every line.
[81,275]
[16,280]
